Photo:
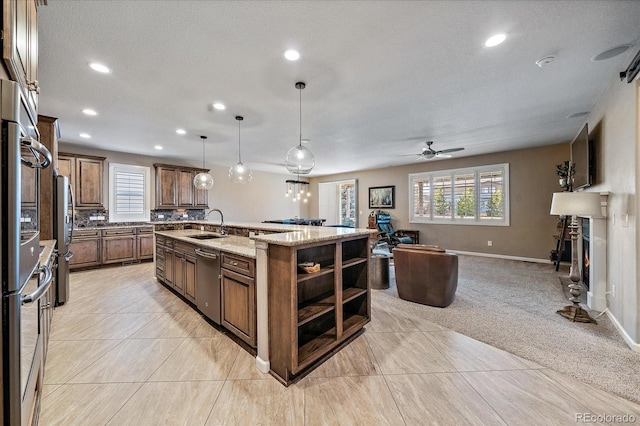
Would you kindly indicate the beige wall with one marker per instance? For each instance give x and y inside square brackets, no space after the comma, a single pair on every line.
[532,181]
[261,199]
[614,125]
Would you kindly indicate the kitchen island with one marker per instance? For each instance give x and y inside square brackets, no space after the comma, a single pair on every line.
[293,319]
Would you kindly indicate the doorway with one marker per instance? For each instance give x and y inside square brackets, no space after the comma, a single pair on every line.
[338,202]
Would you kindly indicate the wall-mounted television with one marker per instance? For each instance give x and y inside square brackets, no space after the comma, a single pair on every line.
[582,156]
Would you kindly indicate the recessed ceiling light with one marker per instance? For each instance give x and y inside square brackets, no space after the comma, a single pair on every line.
[610,53]
[100,68]
[85,135]
[158,147]
[219,106]
[181,131]
[89,111]
[495,40]
[292,55]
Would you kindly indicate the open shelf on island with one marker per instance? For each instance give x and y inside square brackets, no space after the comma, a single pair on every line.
[323,271]
[353,262]
[314,308]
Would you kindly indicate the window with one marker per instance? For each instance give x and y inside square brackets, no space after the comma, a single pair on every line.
[337,202]
[129,199]
[473,196]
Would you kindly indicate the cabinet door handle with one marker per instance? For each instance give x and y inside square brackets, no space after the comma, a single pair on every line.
[234,263]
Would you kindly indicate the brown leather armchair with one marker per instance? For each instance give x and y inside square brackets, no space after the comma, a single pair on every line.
[426,274]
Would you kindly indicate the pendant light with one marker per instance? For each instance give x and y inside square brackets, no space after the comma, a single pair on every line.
[203,180]
[297,189]
[239,173]
[300,159]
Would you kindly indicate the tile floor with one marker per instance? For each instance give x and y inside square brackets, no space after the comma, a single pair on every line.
[126,351]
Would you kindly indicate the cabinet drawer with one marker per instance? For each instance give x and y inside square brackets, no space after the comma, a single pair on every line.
[160,240]
[144,230]
[85,233]
[184,247]
[243,265]
[117,232]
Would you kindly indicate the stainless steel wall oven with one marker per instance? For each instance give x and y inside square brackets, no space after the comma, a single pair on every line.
[24,280]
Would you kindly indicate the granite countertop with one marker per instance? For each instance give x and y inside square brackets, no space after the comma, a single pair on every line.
[311,234]
[228,243]
[116,226]
[46,250]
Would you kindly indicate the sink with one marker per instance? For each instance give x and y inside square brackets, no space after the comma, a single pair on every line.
[205,236]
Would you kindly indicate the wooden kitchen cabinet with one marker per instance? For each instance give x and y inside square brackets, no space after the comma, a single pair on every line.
[119,245]
[238,294]
[49,134]
[174,188]
[86,177]
[310,315]
[20,47]
[144,243]
[184,269]
[86,248]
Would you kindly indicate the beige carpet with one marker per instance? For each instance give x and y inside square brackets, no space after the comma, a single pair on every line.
[512,305]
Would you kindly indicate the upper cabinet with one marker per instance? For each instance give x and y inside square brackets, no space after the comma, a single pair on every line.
[174,188]
[86,176]
[20,47]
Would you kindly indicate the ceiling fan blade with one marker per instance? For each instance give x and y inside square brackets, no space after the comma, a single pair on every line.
[441,155]
[408,155]
[444,151]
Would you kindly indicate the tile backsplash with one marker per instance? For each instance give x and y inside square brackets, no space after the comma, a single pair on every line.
[100,217]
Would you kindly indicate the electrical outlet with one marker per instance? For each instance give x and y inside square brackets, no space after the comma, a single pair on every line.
[185,215]
[160,216]
[100,217]
[613,290]
[490,243]
[202,228]
[93,217]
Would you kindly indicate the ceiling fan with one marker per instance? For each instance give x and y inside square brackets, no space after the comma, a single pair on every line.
[429,153]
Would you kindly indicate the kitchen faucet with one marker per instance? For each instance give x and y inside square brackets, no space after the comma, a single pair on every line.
[222,227]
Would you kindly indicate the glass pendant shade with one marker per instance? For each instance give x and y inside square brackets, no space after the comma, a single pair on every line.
[203,180]
[300,160]
[240,173]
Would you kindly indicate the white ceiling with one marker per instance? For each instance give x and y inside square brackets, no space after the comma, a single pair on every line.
[382,77]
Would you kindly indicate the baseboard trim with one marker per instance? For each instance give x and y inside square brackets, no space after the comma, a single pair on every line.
[262,365]
[628,340]
[501,256]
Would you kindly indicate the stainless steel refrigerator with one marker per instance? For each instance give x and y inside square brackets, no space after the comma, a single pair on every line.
[24,280]
[63,223]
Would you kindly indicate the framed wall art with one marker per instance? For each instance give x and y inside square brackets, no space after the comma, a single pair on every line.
[382,197]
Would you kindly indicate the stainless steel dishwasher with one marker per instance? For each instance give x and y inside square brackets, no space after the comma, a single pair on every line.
[208,283]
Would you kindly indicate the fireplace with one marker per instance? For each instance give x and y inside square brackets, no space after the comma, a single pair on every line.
[586,243]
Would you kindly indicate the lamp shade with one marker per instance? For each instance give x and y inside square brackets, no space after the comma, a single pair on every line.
[576,204]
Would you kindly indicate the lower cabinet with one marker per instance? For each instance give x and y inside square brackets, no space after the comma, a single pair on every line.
[94,247]
[144,243]
[239,297]
[312,314]
[118,245]
[184,269]
[177,267]
[86,248]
